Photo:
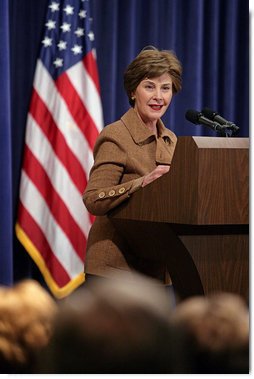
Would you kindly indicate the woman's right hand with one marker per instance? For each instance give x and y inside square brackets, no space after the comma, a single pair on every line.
[155,174]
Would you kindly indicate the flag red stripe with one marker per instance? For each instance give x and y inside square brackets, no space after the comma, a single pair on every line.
[58,208]
[91,68]
[77,109]
[35,234]
[44,119]
[64,121]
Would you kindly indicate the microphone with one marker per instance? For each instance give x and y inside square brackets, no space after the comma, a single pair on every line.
[198,118]
[214,116]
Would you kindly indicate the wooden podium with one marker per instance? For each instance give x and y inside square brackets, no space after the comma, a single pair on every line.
[195,218]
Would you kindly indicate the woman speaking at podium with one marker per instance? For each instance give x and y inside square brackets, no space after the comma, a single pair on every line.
[129,154]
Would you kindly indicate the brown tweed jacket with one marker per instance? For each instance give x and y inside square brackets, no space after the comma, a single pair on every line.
[124,153]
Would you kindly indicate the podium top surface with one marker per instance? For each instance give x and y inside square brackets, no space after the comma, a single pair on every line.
[220,142]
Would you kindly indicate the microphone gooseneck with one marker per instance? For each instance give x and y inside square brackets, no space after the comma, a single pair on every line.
[214,116]
[198,118]
[213,120]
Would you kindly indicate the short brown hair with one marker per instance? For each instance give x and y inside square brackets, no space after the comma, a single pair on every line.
[151,63]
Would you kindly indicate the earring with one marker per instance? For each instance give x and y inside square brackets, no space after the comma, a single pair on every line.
[133,98]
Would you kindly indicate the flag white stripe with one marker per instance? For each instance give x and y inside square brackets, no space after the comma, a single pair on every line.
[58,108]
[57,239]
[75,139]
[87,91]
[58,175]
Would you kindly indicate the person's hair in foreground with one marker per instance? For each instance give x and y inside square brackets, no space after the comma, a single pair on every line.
[117,325]
[26,315]
[218,327]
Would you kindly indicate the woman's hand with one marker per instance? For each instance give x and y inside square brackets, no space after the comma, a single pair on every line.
[155,174]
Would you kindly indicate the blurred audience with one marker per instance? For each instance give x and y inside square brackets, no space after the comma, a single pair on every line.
[26,315]
[124,324]
[117,325]
[218,328]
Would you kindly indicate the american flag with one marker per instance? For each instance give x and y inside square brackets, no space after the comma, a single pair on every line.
[64,119]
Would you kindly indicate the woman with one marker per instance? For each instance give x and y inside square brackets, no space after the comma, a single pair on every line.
[129,154]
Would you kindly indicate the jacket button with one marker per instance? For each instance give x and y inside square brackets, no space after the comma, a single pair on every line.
[112,192]
[122,190]
[101,195]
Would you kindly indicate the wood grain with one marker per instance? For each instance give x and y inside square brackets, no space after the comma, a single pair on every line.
[195,218]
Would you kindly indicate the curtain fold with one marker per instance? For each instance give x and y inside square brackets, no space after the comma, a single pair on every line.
[6,225]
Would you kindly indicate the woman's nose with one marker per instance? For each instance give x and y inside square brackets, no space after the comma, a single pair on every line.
[157,94]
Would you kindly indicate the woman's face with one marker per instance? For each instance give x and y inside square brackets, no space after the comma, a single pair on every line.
[152,97]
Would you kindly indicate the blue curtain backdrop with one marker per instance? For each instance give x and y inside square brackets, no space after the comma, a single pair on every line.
[6,225]
[210,37]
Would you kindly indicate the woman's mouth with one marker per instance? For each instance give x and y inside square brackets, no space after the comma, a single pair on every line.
[155,107]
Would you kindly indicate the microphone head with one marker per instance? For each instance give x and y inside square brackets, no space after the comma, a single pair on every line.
[209,113]
[192,116]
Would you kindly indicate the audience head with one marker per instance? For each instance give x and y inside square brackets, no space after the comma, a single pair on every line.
[114,325]
[26,316]
[218,325]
